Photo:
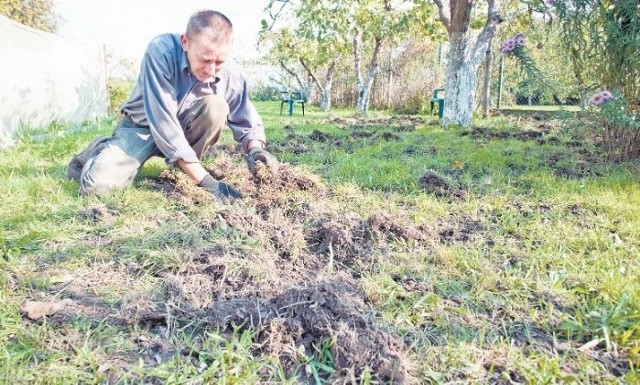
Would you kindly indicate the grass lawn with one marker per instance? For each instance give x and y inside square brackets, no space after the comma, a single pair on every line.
[386,250]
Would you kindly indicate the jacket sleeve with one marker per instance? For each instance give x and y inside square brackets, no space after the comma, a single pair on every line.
[244,120]
[161,105]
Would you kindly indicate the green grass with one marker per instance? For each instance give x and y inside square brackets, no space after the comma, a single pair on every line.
[541,286]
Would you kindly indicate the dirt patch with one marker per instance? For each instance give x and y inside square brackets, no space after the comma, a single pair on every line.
[100,213]
[383,225]
[389,137]
[400,122]
[439,186]
[295,324]
[460,230]
[287,179]
[292,142]
[324,137]
[586,166]
[302,237]
[524,135]
[177,185]
[351,240]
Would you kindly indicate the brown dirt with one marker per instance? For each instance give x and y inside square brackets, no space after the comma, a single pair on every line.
[99,213]
[292,142]
[179,186]
[399,123]
[440,186]
[294,324]
[301,235]
[460,230]
[324,137]
[533,134]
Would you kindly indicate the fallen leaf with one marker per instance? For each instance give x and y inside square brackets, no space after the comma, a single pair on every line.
[35,309]
[458,165]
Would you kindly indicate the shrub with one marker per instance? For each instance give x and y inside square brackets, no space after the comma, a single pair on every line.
[119,91]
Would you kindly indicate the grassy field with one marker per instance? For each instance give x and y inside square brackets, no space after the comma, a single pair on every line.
[387,250]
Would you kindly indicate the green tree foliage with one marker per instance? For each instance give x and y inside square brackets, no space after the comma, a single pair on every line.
[557,84]
[602,37]
[323,34]
[40,14]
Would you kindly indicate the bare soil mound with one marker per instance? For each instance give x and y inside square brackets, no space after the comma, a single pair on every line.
[440,186]
[300,321]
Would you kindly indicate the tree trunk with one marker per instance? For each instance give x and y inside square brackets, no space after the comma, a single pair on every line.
[460,83]
[463,59]
[486,92]
[390,81]
[325,103]
[364,87]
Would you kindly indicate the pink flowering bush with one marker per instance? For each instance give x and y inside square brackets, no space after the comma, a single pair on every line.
[515,47]
[620,124]
[512,43]
[600,98]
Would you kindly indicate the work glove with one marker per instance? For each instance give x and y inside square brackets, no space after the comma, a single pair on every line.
[258,154]
[219,189]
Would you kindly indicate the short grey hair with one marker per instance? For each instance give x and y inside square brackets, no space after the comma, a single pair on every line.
[218,26]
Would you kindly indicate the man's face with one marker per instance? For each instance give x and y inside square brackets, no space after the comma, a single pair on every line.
[206,57]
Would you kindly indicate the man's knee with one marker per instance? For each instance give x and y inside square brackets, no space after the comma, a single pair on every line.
[109,170]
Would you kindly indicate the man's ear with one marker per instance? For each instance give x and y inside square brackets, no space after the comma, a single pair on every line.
[184,41]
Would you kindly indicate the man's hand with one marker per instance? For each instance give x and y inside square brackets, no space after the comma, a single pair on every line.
[219,189]
[259,154]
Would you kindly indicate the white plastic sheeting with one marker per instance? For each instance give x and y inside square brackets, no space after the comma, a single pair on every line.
[44,77]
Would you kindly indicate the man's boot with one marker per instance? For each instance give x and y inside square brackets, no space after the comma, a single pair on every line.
[78,161]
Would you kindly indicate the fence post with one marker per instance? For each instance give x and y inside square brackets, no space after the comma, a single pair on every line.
[500,81]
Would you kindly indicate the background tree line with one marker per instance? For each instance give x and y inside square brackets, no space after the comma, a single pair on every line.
[40,14]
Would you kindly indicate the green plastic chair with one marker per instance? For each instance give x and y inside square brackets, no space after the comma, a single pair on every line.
[437,97]
[290,98]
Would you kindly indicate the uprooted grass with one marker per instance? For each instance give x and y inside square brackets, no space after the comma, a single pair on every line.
[385,250]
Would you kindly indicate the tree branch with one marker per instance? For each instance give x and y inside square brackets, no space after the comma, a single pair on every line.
[442,14]
[274,17]
[357,56]
[493,19]
[292,73]
[311,74]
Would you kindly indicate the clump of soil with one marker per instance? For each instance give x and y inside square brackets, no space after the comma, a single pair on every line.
[179,186]
[389,137]
[383,225]
[137,308]
[487,133]
[324,137]
[351,240]
[342,237]
[99,213]
[293,325]
[292,142]
[286,179]
[464,230]
[439,186]
[400,123]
